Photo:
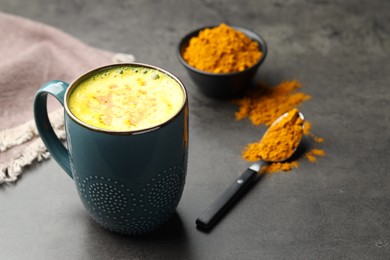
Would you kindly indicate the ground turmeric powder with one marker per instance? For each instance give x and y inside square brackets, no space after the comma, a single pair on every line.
[280,141]
[279,166]
[222,49]
[282,138]
[311,155]
[263,105]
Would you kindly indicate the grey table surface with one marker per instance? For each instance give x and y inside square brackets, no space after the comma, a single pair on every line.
[338,208]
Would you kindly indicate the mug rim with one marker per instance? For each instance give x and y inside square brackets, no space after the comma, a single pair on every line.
[87,74]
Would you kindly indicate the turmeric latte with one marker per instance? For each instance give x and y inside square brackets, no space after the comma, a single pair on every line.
[127,98]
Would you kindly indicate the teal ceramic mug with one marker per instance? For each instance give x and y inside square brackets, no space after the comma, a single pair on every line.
[129,181]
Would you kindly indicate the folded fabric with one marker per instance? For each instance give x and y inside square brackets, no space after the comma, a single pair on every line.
[32,54]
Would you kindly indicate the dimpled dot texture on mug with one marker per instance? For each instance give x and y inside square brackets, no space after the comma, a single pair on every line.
[118,208]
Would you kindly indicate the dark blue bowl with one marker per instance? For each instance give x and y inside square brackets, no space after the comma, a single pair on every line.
[222,85]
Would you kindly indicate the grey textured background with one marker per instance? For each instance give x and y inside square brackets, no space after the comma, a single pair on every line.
[338,208]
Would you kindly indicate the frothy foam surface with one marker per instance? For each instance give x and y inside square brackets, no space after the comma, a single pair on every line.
[126,98]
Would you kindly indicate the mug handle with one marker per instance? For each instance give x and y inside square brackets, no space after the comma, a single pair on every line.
[57,89]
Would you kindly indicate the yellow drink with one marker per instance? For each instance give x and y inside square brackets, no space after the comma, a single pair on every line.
[127,98]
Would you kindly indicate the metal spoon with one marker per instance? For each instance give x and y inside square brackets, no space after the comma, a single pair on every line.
[221,205]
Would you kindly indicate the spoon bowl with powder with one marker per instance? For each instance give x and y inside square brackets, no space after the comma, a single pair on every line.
[278,144]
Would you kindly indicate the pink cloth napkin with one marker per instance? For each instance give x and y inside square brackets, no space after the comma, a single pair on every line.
[32,54]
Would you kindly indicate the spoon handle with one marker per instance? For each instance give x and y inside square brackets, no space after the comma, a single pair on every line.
[224,202]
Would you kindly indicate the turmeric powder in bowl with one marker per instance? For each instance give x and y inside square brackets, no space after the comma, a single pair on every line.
[222,49]
[222,60]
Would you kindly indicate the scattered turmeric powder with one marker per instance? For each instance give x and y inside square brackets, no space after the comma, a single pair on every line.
[318,139]
[311,155]
[265,104]
[279,166]
[307,128]
[222,49]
